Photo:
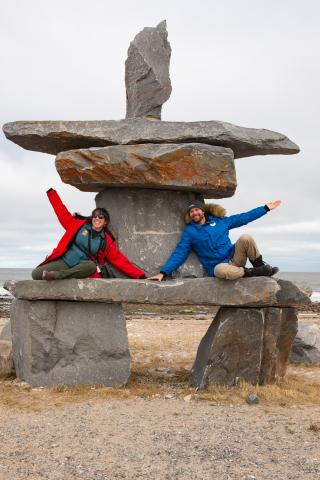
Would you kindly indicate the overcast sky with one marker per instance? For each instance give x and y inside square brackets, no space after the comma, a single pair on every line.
[252,63]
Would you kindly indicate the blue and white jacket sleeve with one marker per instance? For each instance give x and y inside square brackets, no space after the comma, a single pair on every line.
[179,256]
[240,219]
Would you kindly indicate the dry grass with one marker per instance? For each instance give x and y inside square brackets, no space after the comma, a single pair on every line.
[314,427]
[290,391]
[163,351]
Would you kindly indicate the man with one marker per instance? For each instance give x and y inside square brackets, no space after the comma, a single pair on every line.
[207,233]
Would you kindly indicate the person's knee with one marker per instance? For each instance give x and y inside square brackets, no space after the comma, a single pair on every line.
[228,272]
[246,238]
[220,270]
[91,267]
[36,274]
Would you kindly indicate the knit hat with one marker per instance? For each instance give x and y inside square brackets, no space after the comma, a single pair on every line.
[195,204]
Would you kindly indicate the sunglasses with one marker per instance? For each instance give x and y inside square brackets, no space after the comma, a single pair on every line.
[98,216]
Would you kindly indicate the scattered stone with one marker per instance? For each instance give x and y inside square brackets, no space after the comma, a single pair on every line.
[69,343]
[306,345]
[252,399]
[6,359]
[243,343]
[194,167]
[58,136]
[249,292]
[147,72]
[168,396]
[187,398]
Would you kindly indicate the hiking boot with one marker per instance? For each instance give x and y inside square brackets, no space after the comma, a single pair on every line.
[258,262]
[262,271]
[46,275]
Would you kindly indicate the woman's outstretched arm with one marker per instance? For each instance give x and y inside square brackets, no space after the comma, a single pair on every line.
[63,214]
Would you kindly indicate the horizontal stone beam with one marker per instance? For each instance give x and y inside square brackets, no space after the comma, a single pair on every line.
[192,166]
[258,291]
[58,136]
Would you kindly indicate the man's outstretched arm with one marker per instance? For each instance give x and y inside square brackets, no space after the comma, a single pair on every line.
[243,218]
[178,257]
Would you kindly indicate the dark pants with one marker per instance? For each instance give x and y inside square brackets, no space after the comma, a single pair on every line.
[62,270]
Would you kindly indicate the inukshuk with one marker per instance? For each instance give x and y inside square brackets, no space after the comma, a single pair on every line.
[146,170]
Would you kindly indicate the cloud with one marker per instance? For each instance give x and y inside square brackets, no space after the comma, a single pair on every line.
[241,62]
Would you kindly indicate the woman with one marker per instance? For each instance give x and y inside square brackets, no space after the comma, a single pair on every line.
[84,247]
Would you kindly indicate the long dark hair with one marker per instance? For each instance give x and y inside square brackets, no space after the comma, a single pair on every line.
[101,211]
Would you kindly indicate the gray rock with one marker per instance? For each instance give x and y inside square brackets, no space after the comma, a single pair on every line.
[243,344]
[194,167]
[69,343]
[290,294]
[249,292]
[6,360]
[6,332]
[252,399]
[147,72]
[57,136]
[306,345]
[148,224]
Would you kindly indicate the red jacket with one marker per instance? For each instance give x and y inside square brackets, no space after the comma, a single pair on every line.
[72,225]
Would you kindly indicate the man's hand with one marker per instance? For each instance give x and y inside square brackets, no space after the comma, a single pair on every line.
[158,277]
[273,205]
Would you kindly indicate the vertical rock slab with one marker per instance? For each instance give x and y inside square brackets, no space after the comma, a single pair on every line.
[147,77]
[231,348]
[250,344]
[148,224]
[289,328]
[69,343]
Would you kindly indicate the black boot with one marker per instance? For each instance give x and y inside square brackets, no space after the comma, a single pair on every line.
[258,262]
[262,271]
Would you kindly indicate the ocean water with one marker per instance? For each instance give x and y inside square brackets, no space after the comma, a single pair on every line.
[309,278]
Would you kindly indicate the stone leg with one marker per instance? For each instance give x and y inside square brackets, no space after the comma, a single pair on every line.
[69,343]
[250,344]
[148,224]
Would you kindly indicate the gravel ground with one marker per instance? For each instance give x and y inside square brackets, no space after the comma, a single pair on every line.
[157,437]
[160,439]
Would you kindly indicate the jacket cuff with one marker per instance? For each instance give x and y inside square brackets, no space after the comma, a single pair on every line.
[142,277]
[267,209]
[163,273]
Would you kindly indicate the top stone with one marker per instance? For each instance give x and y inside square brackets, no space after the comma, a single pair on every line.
[147,72]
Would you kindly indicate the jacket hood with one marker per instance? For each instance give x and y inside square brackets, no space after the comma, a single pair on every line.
[211,209]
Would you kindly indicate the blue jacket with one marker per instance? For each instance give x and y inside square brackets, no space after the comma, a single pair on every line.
[210,241]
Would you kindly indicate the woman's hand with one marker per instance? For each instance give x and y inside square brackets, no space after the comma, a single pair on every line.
[273,205]
[158,277]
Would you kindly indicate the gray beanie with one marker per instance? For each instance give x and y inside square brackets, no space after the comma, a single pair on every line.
[195,204]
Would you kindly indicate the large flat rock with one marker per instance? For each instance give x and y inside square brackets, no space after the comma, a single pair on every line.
[58,136]
[258,291]
[193,166]
[147,77]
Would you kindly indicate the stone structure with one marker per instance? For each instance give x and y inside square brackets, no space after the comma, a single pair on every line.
[146,171]
[72,331]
